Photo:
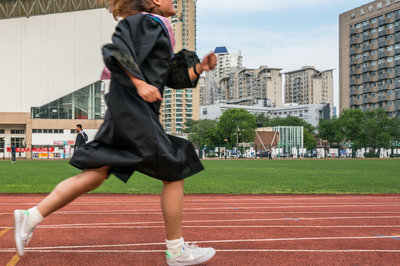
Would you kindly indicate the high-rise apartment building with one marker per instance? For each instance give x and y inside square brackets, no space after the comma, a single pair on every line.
[369,63]
[309,86]
[181,105]
[246,86]
[226,64]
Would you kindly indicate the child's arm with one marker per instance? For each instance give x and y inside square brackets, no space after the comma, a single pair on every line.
[182,71]
[148,92]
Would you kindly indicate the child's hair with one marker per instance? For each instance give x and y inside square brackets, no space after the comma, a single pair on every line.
[125,8]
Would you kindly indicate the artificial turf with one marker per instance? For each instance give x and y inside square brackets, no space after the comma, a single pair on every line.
[226,176]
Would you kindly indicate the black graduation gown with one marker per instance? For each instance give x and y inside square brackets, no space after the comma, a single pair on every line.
[131,137]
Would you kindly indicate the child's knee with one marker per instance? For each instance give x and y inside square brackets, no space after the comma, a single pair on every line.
[94,178]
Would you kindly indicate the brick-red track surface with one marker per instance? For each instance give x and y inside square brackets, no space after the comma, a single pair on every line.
[244,229]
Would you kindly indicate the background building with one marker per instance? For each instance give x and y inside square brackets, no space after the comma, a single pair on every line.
[311,113]
[309,86]
[50,64]
[230,82]
[181,105]
[226,64]
[369,63]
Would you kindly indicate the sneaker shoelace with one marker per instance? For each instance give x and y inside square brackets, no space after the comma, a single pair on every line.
[190,245]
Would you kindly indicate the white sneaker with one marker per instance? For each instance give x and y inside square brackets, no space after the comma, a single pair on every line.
[191,255]
[22,231]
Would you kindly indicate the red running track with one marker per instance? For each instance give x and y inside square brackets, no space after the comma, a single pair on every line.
[244,229]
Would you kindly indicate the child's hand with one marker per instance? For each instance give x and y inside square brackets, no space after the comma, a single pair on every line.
[209,62]
[148,92]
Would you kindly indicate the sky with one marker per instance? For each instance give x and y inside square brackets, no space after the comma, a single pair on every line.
[284,34]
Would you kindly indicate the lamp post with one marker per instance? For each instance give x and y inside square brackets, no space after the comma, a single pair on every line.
[237,141]
[226,151]
[324,142]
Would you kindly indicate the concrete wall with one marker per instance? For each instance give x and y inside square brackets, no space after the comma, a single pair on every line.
[46,57]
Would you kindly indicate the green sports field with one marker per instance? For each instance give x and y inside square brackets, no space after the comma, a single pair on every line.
[226,176]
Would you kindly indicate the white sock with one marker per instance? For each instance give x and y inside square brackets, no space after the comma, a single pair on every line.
[175,246]
[34,217]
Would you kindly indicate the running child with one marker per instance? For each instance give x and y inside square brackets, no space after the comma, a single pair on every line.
[141,62]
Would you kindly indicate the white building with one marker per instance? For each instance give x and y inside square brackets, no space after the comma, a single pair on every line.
[311,113]
[50,52]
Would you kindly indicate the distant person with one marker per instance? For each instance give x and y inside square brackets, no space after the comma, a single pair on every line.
[81,137]
[142,62]
[13,153]
[269,155]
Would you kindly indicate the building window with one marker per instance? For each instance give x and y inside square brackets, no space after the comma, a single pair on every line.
[17,142]
[17,131]
[2,131]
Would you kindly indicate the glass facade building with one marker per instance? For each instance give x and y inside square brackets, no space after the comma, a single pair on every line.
[85,103]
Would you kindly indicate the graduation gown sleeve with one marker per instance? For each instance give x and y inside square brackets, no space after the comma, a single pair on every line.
[179,77]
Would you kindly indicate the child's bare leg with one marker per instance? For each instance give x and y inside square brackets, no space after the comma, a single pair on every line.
[172,208]
[71,188]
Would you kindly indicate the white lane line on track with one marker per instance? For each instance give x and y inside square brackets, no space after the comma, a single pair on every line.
[227,241]
[223,226]
[233,206]
[219,250]
[216,203]
[227,201]
[226,212]
[228,220]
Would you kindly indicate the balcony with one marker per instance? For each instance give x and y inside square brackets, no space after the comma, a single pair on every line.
[381,54]
[366,58]
[366,48]
[390,108]
[352,72]
[381,76]
[366,100]
[382,33]
[381,22]
[382,87]
[381,44]
[366,37]
[397,106]
[397,96]
[352,41]
[366,79]
[352,82]
[397,16]
[366,69]
[390,97]
[352,52]
[383,65]
[352,31]
[366,89]
[382,98]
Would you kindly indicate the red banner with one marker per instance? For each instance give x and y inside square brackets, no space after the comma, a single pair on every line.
[51,149]
[19,149]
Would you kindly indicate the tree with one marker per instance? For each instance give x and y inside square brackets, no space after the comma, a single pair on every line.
[330,130]
[351,121]
[237,125]
[375,129]
[202,133]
